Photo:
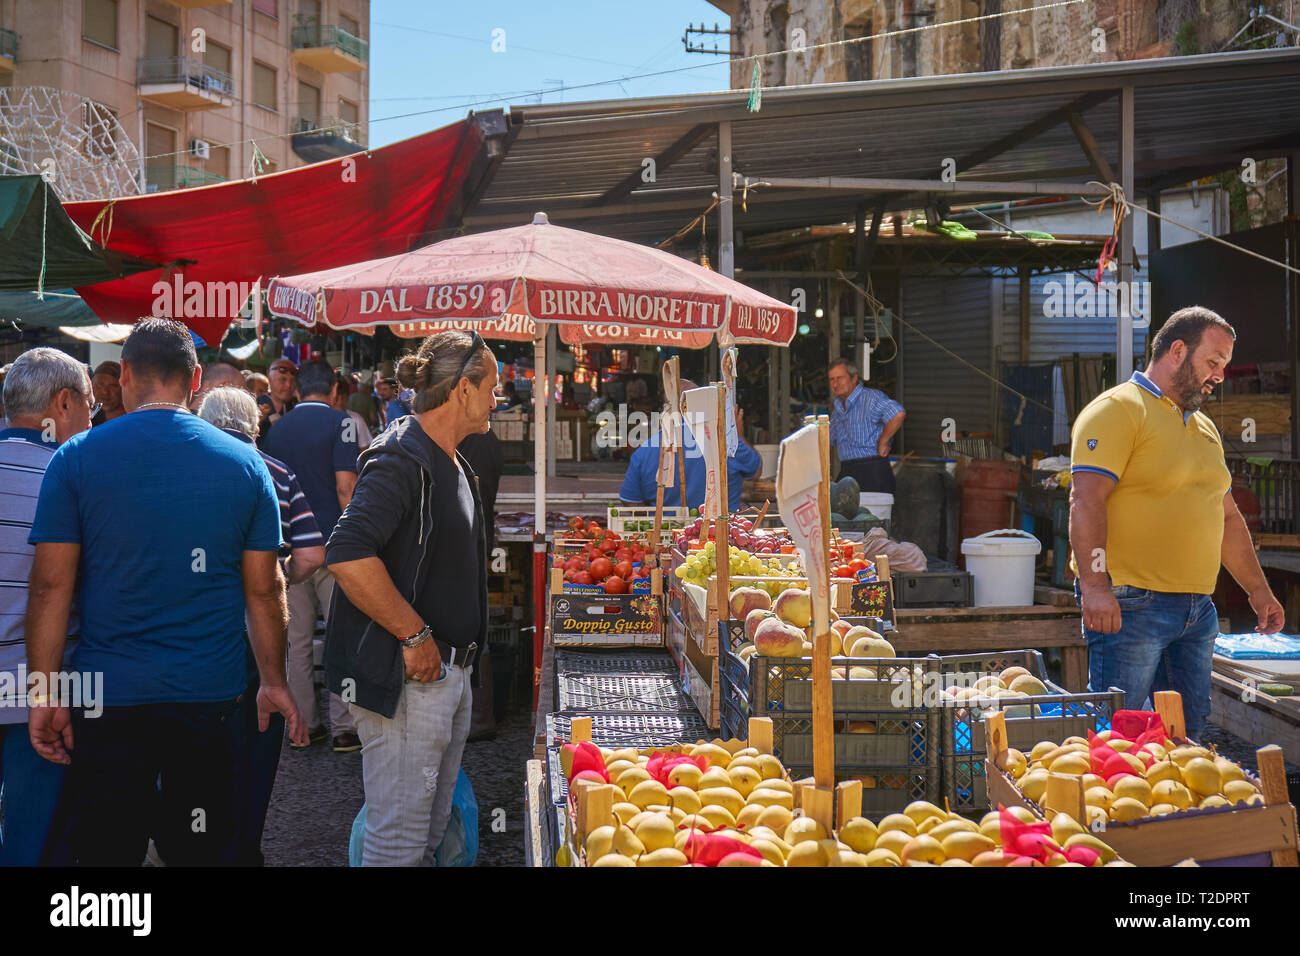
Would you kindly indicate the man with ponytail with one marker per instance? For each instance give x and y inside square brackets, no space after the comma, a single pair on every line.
[410,615]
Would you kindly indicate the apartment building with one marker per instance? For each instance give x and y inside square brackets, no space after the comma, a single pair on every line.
[206,90]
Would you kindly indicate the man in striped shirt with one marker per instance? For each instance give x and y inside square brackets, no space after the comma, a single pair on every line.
[230,407]
[47,395]
[863,424]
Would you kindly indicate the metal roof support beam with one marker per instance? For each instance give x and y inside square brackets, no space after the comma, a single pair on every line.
[860,185]
[1124,331]
[1088,143]
[1027,132]
[726,219]
[661,162]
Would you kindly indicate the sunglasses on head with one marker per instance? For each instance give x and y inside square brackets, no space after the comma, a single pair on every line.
[475,345]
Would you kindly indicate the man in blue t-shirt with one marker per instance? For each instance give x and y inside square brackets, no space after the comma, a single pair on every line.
[643,469]
[175,529]
[319,444]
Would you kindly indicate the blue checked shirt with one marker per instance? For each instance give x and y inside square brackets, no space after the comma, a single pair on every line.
[856,423]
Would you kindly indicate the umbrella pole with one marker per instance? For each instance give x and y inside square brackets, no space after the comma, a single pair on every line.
[539,506]
[659,502]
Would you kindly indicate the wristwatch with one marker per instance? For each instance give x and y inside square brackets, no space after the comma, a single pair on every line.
[418,638]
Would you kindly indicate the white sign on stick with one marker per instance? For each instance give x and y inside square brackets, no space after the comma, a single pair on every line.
[702,416]
[798,493]
[670,424]
[729,358]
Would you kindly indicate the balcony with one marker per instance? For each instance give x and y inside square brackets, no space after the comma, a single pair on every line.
[315,139]
[329,49]
[8,50]
[179,83]
[159,179]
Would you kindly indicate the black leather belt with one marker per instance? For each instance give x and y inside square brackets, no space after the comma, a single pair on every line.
[457,656]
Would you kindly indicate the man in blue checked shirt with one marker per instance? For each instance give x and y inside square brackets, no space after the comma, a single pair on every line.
[863,424]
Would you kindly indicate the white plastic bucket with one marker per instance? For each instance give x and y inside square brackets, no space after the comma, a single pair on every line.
[878,503]
[769,454]
[1002,564]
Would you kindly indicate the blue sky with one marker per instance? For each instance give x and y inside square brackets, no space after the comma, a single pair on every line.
[437,55]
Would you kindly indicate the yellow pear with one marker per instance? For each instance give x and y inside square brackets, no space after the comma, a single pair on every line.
[930,823]
[713,777]
[883,857]
[778,818]
[1181,755]
[893,840]
[847,857]
[1134,787]
[1099,797]
[655,831]
[1238,791]
[1202,776]
[685,775]
[685,799]
[1228,771]
[923,849]
[718,816]
[1127,808]
[807,853]
[631,777]
[747,818]
[625,811]
[949,827]
[665,856]
[1065,826]
[618,766]
[771,798]
[770,851]
[1164,770]
[965,845]
[1171,792]
[1214,800]
[626,842]
[918,810]
[1023,814]
[647,792]
[1033,784]
[744,779]
[804,828]
[1090,841]
[744,760]
[898,821]
[1097,817]
[770,767]
[776,783]
[716,755]
[723,797]
[860,834]
[600,842]
[614,859]
[1071,763]
[1163,809]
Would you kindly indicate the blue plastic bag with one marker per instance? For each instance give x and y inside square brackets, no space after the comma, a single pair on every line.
[1258,647]
[460,842]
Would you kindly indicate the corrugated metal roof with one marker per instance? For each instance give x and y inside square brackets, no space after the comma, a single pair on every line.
[1192,114]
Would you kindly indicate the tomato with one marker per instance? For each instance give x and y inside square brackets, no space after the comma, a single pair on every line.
[615,585]
[623,554]
[623,569]
[601,568]
[583,577]
[843,571]
[592,528]
[856,565]
[575,523]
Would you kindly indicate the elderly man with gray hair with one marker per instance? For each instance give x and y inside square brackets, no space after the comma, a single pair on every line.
[47,396]
[233,409]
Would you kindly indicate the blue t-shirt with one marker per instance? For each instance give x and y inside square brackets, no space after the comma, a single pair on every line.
[643,468]
[163,505]
[315,441]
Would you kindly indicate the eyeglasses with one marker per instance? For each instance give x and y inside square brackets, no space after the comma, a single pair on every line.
[286,370]
[94,409]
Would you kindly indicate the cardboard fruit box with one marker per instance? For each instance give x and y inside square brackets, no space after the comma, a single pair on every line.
[1234,835]
[580,619]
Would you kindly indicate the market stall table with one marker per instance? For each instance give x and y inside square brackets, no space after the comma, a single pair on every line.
[971,629]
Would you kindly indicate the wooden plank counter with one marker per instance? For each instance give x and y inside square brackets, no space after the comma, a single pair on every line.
[969,630]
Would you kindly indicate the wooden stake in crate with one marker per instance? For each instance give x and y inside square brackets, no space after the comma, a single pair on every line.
[823,721]
[722,544]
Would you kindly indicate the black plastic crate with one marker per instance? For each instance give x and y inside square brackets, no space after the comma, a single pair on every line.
[629,693]
[782,686]
[1053,716]
[933,589]
[885,790]
[731,634]
[613,662]
[632,730]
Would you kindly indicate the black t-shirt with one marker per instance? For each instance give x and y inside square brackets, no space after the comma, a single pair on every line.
[450,599]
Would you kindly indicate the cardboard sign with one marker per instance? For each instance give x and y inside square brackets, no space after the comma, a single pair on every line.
[798,487]
[729,386]
[702,415]
[873,599]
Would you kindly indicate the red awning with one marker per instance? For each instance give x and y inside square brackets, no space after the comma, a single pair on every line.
[221,239]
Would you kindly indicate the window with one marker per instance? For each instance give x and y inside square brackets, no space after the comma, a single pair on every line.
[348,112]
[266,6]
[348,25]
[309,11]
[309,103]
[264,86]
[218,163]
[160,38]
[217,57]
[99,22]
[857,56]
[160,145]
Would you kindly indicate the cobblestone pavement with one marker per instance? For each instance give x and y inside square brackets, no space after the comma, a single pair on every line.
[318,794]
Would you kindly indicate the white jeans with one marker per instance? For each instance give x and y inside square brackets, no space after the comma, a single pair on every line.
[409,766]
[306,600]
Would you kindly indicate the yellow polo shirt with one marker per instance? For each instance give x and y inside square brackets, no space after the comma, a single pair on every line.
[1164,518]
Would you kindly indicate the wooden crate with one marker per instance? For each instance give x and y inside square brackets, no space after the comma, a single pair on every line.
[1221,836]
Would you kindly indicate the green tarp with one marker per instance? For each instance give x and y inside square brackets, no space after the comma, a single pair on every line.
[40,247]
[60,308]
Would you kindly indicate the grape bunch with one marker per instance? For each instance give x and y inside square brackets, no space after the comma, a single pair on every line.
[741,534]
[702,564]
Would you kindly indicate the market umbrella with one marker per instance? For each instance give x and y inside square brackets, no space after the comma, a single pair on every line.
[511,282]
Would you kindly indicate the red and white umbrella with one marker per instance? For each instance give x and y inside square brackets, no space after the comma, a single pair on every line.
[512,283]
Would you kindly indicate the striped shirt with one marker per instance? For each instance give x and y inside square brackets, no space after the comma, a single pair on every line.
[856,424]
[298,528]
[23,459]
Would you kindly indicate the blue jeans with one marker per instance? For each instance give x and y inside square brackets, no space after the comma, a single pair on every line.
[1165,642]
[29,791]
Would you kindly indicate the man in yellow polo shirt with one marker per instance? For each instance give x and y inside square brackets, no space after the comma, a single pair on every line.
[1151,520]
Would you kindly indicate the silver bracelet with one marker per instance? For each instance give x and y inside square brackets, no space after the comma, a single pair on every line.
[418,638]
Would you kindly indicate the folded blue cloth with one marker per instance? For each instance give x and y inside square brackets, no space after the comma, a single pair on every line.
[1258,647]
